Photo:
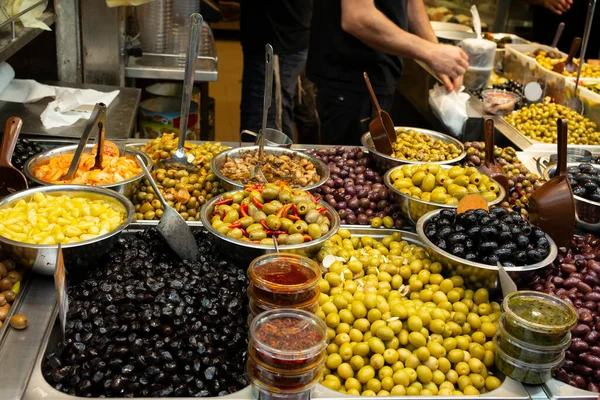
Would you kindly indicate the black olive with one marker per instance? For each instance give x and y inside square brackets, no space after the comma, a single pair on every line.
[458,250]
[479,212]
[473,232]
[516,217]
[537,232]
[444,232]
[430,233]
[488,246]
[590,187]
[542,242]
[492,259]
[535,255]
[444,222]
[489,233]
[459,228]
[573,170]
[458,237]
[499,212]
[503,253]
[485,220]
[505,236]
[469,243]
[522,241]
[583,178]
[447,213]
[471,219]
[441,243]
[470,256]
[594,197]
[510,246]
[507,263]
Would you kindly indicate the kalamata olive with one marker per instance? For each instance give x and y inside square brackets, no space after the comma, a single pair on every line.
[590,305]
[591,360]
[593,387]
[364,203]
[354,204]
[594,266]
[569,355]
[5,284]
[562,375]
[369,213]
[570,282]
[579,381]
[591,337]
[584,370]
[586,317]
[579,346]
[363,219]
[591,280]
[595,350]
[3,270]
[351,219]
[9,295]
[583,287]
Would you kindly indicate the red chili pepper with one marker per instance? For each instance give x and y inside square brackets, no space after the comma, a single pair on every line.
[256,202]
[276,232]
[312,198]
[225,201]
[321,209]
[236,224]
[248,190]
[223,214]
[244,210]
[306,237]
[264,224]
[295,210]
[283,211]
[293,218]
[244,232]
[318,199]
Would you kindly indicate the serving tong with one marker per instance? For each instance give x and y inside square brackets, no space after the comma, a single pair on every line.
[98,118]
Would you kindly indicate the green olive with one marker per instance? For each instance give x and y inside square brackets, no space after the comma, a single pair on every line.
[295,238]
[258,234]
[314,231]
[273,222]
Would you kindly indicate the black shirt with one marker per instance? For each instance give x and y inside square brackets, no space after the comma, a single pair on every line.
[285,24]
[338,59]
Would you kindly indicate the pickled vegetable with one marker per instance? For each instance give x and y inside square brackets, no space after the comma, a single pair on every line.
[199,154]
[50,219]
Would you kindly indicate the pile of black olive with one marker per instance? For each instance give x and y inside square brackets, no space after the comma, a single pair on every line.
[146,324]
[585,181]
[488,237]
[24,150]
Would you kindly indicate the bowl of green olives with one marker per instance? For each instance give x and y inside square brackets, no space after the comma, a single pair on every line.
[474,243]
[584,179]
[246,222]
[422,188]
[413,145]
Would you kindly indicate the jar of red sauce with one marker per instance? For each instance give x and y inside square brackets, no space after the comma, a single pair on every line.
[258,305]
[284,279]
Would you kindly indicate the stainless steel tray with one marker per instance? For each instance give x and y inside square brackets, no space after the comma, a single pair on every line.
[557,390]
[38,389]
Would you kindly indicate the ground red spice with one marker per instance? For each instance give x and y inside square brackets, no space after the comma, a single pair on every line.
[284,273]
[291,334]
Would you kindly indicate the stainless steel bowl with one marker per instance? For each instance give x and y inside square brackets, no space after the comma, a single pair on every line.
[126,187]
[384,162]
[246,252]
[475,274]
[42,258]
[218,161]
[415,208]
[587,212]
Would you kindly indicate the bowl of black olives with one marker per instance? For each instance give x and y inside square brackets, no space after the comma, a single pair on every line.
[584,179]
[474,243]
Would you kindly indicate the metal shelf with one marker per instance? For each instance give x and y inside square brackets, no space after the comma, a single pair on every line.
[170,66]
[22,36]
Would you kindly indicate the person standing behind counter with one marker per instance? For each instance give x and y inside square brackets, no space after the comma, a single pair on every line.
[285,24]
[349,37]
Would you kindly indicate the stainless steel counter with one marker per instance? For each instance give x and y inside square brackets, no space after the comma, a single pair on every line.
[120,119]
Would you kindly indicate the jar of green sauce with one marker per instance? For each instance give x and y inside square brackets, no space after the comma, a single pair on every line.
[538,318]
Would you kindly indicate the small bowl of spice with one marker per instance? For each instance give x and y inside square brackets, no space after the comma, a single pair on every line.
[288,339]
[499,102]
[538,318]
[284,280]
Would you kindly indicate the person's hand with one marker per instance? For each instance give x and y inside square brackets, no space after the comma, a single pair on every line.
[452,84]
[558,6]
[449,63]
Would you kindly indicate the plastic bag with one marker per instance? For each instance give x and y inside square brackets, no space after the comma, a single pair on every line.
[450,108]
[9,8]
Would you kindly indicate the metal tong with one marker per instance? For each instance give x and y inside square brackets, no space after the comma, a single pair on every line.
[98,118]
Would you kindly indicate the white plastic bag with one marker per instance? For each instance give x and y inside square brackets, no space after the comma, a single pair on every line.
[450,108]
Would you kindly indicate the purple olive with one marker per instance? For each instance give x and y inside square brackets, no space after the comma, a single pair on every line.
[369,212]
[351,219]
[363,219]
[353,203]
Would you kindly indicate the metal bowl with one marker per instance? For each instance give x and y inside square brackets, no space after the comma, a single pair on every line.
[126,187]
[415,208]
[246,252]
[229,184]
[475,274]
[42,258]
[384,162]
[587,212]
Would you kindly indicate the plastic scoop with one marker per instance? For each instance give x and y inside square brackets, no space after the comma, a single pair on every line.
[11,179]
[559,31]
[257,173]
[381,127]
[568,64]
[98,118]
[551,206]
[575,102]
[489,166]
[179,158]
[172,226]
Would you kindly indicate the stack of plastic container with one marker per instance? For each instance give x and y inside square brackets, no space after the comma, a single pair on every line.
[286,353]
[533,334]
[283,280]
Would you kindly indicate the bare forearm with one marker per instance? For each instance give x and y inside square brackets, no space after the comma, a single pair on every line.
[418,21]
[376,30]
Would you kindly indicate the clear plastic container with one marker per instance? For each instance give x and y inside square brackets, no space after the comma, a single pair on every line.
[499,102]
[287,338]
[285,379]
[527,352]
[481,54]
[538,318]
[154,18]
[533,374]
[284,279]
[258,306]
[261,391]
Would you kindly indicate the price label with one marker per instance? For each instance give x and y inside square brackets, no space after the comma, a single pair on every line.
[60,282]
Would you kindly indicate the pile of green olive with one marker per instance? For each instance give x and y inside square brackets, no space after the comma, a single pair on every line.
[398,327]
[438,184]
[199,154]
[418,146]
[183,190]
[538,122]
[262,213]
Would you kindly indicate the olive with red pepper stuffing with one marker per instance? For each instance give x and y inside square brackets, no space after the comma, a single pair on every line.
[488,237]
